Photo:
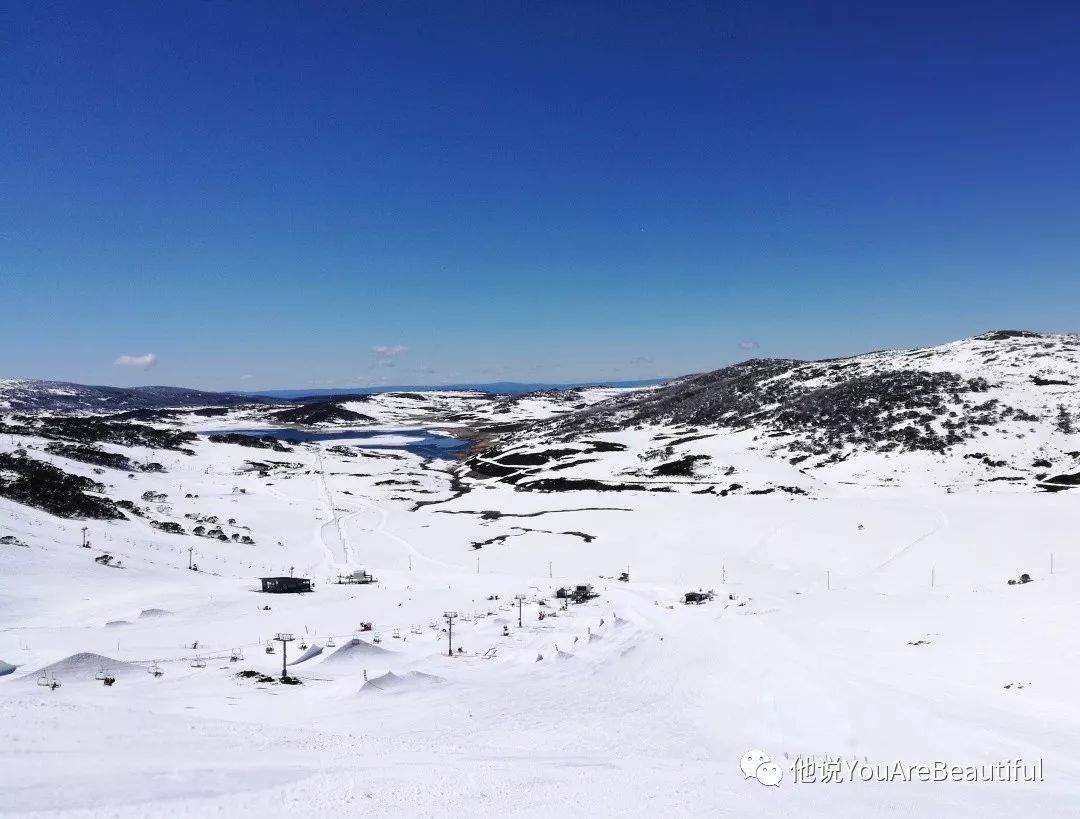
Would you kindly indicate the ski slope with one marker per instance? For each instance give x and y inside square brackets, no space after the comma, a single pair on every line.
[868,620]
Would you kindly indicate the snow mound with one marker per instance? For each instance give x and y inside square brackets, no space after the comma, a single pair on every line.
[392,683]
[564,655]
[145,613]
[354,650]
[84,666]
[117,623]
[6,668]
[313,651]
[593,638]
[620,622]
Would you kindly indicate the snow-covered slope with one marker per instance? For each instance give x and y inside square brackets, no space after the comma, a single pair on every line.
[1003,407]
[870,619]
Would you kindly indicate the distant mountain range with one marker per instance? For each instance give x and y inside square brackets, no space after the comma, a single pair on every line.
[494,388]
[23,395]
[999,409]
[28,395]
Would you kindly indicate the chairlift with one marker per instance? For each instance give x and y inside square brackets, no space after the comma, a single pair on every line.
[330,643]
[43,681]
[269,647]
[198,662]
[108,679]
[397,634]
[236,656]
[100,674]
[377,638]
[155,671]
[303,644]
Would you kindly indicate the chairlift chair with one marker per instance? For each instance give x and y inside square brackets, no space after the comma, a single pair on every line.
[236,656]
[100,674]
[330,643]
[155,671]
[303,645]
[397,634]
[43,680]
[377,638]
[269,647]
[109,679]
[198,662]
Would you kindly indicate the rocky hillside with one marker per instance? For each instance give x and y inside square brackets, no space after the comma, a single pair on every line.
[1007,402]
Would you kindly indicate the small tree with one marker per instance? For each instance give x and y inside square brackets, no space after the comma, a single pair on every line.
[1064,420]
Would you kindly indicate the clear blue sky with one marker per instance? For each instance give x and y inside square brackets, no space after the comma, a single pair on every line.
[273,194]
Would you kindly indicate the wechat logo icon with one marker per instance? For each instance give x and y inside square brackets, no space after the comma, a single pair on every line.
[757,765]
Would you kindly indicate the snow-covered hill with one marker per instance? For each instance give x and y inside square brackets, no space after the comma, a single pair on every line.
[1003,407]
[21,395]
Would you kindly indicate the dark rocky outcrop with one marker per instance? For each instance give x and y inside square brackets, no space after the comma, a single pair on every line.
[320,412]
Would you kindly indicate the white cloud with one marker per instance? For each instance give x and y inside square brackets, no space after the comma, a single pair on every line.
[748,345]
[385,354]
[142,362]
[246,377]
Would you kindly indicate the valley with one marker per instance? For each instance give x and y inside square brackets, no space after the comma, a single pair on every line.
[856,521]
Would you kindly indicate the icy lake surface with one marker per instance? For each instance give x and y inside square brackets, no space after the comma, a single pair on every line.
[418,441]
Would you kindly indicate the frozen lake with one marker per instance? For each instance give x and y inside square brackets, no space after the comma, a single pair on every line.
[418,441]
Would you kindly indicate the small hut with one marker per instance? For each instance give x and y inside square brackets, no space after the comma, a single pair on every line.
[285,585]
[360,576]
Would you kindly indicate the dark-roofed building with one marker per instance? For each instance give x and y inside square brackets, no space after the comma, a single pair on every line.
[284,585]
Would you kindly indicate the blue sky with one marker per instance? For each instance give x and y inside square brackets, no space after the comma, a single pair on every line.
[276,194]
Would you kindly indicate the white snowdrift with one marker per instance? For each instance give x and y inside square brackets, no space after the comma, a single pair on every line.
[312,651]
[83,667]
[391,683]
[354,651]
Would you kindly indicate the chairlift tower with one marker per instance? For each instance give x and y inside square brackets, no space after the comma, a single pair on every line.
[284,638]
[450,616]
[85,542]
[521,599]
